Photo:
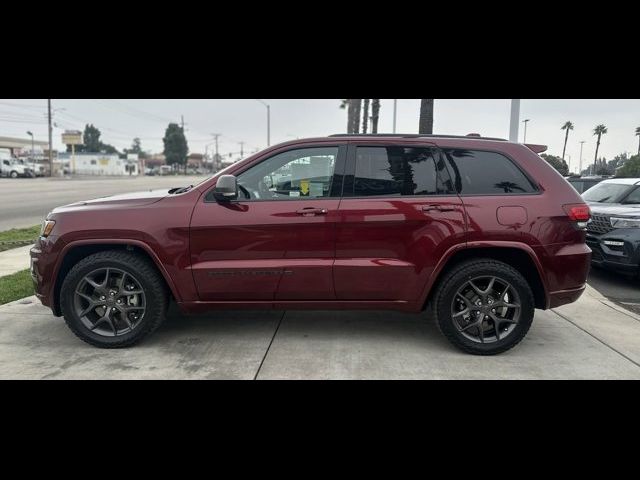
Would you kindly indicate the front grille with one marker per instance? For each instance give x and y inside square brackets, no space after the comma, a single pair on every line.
[599,224]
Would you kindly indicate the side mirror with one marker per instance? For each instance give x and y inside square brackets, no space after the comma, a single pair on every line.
[226,188]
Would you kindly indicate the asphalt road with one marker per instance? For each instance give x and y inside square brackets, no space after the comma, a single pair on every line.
[621,289]
[25,201]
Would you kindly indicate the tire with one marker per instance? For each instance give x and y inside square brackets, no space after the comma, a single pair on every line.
[141,272]
[455,294]
[14,174]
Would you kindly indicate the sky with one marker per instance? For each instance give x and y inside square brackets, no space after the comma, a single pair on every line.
[245,120]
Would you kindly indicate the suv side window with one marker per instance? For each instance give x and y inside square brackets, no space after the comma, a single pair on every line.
[478,172]
[295,174]
[633,198]
[399,171]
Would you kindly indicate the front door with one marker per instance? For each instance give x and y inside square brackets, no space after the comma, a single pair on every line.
[277,240]
[399,215]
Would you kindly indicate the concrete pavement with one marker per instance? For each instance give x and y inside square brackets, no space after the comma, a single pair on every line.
[14,260]
[591,339]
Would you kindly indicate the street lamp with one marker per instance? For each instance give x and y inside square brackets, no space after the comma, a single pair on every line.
[268,120]
[525,129]
[32,145]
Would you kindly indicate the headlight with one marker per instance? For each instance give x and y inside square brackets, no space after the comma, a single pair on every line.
[625,222]
[47,226]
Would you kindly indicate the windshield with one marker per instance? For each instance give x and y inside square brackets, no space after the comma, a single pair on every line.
[607,193]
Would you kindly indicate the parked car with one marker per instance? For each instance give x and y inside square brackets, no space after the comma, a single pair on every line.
[582,184]
[476,231]
[613,232]
[14,169]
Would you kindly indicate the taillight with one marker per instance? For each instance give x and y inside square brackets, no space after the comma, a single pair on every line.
[578,212]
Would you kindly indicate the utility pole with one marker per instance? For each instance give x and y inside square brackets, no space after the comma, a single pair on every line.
[50,139]
[395,111]
[581,145]
[515,120]
[215,160]
[182,122]
[241,149]
[268,120]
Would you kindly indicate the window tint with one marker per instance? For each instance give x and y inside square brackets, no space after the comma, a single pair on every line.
[396,171]
[485,173]
[304,173]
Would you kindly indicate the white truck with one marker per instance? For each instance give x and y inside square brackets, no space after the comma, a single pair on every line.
[13,168]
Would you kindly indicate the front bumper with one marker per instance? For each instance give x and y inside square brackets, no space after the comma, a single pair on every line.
[624,258]
[44,255]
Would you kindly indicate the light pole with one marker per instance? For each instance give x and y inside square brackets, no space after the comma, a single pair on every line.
[395,112]
[268,120]
[514,120]
[525,129]
[33,160]
[581,145]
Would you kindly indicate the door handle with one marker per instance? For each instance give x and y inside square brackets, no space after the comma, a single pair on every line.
[308,212]
[438,208]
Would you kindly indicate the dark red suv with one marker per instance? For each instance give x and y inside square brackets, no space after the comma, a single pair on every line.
[479,232]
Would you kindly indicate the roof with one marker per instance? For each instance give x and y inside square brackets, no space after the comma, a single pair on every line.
[623,181]
[414,135]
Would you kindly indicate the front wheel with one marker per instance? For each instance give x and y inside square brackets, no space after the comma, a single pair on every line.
[14,174]
[113,299]
[484,307]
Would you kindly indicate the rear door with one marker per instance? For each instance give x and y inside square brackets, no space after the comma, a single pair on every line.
[398,216]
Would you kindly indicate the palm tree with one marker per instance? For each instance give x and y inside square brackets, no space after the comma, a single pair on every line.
[375,114]
[567,126]
[426,116]
[599,131]
[365,115]
[356,115]
[638,135]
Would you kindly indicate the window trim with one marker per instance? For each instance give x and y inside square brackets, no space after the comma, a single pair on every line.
[534,184]
[337,184]
[349,177]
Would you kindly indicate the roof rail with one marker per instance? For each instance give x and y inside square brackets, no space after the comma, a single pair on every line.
[414,135]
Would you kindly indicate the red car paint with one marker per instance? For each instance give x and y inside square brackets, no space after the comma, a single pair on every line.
[372,252]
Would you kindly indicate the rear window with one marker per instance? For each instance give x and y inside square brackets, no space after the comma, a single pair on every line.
[477,172]
[607,193]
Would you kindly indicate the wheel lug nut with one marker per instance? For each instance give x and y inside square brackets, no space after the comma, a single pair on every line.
[102,297]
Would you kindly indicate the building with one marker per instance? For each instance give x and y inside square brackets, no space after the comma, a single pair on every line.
[196,161]
[98,164]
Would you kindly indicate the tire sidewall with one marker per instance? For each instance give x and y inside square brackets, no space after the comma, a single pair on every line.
[468,272]
[154,306]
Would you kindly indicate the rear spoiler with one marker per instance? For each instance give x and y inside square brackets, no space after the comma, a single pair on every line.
[536,148]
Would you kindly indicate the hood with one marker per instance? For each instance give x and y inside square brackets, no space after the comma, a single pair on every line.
[616,209]
[135,199]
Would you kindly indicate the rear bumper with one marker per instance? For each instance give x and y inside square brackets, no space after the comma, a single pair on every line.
[562,297]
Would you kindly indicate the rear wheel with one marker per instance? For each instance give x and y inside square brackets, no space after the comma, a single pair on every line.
[113,299]
[14,174]
[484,307]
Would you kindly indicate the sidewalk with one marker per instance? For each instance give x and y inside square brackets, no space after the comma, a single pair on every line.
[14,260]
[590,339]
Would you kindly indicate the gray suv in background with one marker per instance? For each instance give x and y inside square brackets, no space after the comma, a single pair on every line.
[613,232]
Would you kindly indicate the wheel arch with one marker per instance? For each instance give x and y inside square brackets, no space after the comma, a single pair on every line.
[75,251]
[520,256]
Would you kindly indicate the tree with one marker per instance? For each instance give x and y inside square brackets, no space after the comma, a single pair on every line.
[375,114]
[92,143]
[638,135]
[346,104]
[556,162]
[599,131]
[356,115]
[365,115]
[630,169]
[175,145]
[136,146]
[567,126]
[426,116]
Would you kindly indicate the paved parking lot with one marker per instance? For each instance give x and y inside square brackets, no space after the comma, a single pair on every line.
[591,339]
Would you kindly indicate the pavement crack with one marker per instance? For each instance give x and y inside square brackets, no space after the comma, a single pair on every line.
[596,338]
[269,347]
